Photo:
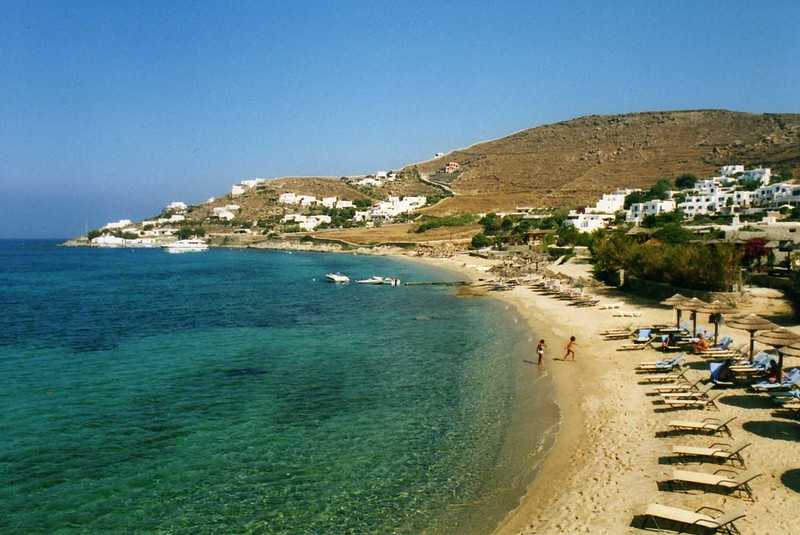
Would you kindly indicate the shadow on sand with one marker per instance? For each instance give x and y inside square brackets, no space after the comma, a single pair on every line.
[748,401]
[791,479]
[774,429]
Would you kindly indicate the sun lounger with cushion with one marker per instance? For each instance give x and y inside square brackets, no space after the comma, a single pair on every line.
[720,523]
[723,480]
[715,451]
[792,380]
[662,365]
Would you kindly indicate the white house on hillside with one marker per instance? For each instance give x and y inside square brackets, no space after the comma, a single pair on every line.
[116,225]
[761,174]
[237,189]
[177,206]
[589,222]
[640,210]
[728,170]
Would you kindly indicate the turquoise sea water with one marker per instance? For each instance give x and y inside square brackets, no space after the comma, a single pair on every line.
[230,392]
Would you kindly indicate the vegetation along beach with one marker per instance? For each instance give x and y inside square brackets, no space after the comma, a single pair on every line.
[503,268]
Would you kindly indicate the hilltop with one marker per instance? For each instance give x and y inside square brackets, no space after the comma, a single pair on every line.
[571,163]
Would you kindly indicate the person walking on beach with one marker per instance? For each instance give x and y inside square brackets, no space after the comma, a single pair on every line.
[570,348]
[540,351]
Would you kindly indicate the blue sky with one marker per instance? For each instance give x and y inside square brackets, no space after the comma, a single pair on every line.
[113,109]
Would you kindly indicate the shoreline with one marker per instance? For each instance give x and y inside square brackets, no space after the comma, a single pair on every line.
[555,468]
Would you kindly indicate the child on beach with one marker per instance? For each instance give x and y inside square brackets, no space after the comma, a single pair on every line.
[570,348]
[540,351]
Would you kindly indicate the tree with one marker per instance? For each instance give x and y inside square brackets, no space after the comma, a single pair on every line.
[491,223]
[673,233]
[188,231]
[685,181]
[92,234]
[480,240]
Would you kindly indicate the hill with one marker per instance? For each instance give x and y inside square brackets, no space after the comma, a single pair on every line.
[571,163]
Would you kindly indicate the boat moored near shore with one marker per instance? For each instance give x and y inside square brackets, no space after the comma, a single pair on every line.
[187,246]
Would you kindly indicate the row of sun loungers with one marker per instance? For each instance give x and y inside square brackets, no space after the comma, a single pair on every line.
[674,390]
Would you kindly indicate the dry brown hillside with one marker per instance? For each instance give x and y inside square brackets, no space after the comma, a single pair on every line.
[573,162]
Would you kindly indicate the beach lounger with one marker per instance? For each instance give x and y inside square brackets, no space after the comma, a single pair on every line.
[685,387]
[627,314]
[722,480]
[793,380]
[671,377]
[704,404]
[782,398]
[664,365]
[716,451]
[610,306]
[700,393]
[791,406]
[709,426]
[637,345]
[721,523]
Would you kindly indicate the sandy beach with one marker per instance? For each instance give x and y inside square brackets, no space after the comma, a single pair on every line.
[611,451]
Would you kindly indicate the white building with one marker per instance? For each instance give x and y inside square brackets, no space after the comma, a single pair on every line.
[307,222]
[776,195]
[237,189]
[226,213]
[609,203]
[760,174]
[369,182]
[306,200]
[329,202]
[640,210]
[381,175]
[589,222]
[116,225]
[728,170]
[210,200]
[287,198]
[177,206]
[341,203]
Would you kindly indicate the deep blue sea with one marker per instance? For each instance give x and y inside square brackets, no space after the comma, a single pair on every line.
[235,392]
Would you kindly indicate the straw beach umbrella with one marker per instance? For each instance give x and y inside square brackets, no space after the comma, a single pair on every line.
[716,309]
[693,305]
[751,323]
[673,302]
[792,350]
[778,338]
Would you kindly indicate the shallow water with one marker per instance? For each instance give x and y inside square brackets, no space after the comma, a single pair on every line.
[230,391]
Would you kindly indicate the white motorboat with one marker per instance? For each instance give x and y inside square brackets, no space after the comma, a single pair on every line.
[372,280]
[337,277]
[187,246]
[375,279]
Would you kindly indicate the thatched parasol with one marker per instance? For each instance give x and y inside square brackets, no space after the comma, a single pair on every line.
[673,302]
[779,338]
[751,323]
[693,305]
[716,309]
[791,350]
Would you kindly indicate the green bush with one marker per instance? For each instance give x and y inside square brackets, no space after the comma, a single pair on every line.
[480,240]
[697,266]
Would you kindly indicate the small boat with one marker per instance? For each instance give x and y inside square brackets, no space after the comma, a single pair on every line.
[372,280]
[337,277]
[187,246]
[375,279]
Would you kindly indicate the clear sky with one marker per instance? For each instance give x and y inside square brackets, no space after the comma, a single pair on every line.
[113,109]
